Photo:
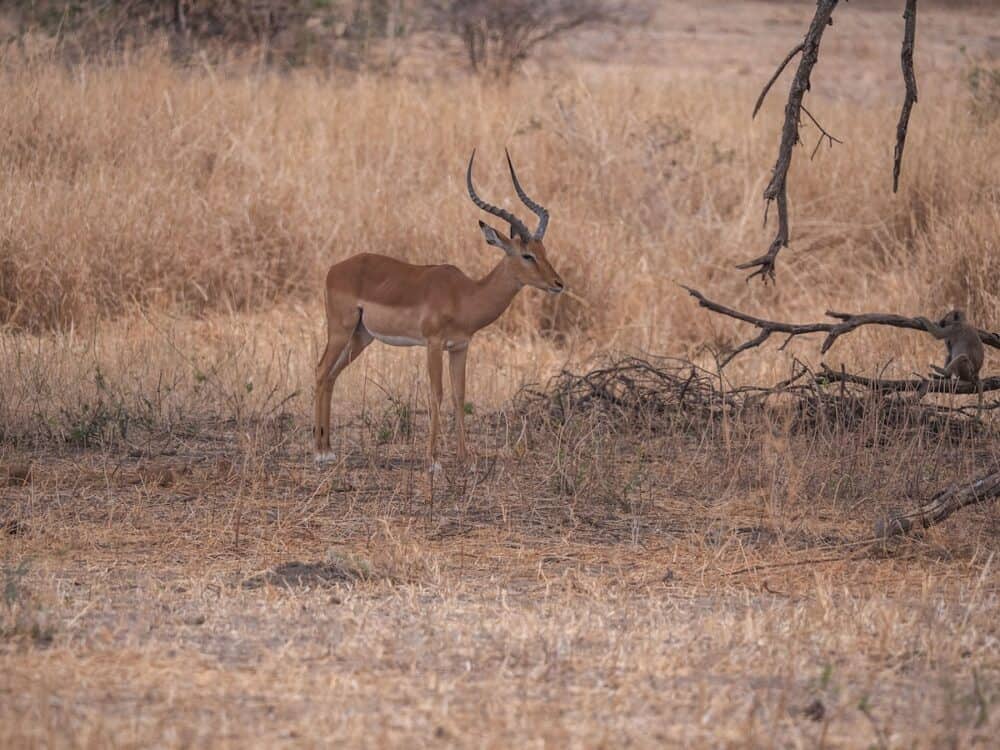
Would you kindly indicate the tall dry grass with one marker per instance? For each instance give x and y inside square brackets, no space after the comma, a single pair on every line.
[141,187]
[190,190]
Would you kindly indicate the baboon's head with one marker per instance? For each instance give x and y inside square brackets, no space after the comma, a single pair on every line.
[952,318]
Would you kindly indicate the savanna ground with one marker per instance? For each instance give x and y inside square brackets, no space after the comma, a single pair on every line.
[176,570]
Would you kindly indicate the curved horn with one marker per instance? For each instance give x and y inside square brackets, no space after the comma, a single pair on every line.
[516,224]
[539,211]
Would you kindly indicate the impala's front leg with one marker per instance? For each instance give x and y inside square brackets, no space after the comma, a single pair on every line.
[434,367]
[456,368]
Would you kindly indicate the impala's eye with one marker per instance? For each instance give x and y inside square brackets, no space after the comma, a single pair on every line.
[529,257]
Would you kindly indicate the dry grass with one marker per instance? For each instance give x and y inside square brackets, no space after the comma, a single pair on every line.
[195,190]
[176,573]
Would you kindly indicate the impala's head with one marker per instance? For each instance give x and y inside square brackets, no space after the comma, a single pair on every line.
[525,250]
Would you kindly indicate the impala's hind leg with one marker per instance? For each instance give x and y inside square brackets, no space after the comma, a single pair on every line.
[456,368]
[346,339]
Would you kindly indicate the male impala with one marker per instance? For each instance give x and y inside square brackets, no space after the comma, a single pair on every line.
[376,297]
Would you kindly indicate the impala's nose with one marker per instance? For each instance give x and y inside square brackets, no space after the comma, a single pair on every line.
[557,286]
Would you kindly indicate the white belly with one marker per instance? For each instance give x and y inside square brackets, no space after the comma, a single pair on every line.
[397,340]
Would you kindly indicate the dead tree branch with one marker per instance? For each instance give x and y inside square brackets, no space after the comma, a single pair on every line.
[941,506]
[823,134]
[915,385]
[848,322]
[910,80]
[776,189]
[777,74]
[767,327]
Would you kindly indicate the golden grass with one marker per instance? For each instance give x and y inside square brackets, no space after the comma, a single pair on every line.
[174,570]
[145,184]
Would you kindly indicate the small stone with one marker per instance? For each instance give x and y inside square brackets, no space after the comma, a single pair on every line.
[815,710]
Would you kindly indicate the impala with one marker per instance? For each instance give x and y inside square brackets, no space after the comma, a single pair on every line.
[372,297]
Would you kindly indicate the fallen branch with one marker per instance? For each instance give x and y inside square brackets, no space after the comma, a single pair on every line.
[941,506]
[848,322]
[910,82]
[916,385]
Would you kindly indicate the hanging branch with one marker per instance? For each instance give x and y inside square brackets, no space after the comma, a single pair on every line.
[823,134]
[848,322]
[910,80]
[776,189]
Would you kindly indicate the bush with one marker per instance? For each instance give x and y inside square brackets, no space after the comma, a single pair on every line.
[498,35]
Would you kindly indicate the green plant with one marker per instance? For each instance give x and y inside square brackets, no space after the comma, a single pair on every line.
[393,423]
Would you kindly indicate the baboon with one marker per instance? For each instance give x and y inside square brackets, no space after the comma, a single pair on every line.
[964,351]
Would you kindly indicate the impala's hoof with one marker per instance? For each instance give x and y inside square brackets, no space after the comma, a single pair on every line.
[325,457]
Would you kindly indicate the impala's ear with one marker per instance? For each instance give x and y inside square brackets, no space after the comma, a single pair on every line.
[495,238]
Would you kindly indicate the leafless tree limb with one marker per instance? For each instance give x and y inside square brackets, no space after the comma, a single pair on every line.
[823,134]
[848,322]
[777,74]
[910,80]
[764,266]
[941,506]
[853,320]
[776,189]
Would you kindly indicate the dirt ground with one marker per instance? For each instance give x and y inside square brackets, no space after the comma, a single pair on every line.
[568,590]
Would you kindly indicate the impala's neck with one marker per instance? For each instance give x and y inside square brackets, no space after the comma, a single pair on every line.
[493,294]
